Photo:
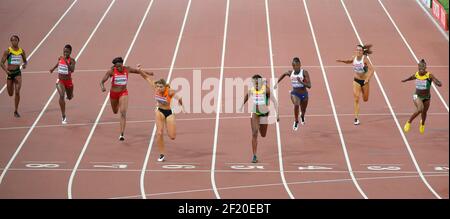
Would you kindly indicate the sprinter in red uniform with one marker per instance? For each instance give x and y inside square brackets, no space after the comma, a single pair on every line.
[64,85]
[118,95]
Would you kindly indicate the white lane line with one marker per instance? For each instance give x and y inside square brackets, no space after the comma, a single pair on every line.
[109,162]
[42,162]
[211,118]
[40,114]
[219,103]
[45,72]
[149,149]
[91,169]
[444,33]
[392,111]
[411,51]
[45,37]
[336,119]
[272,70]
[72,175]
[276,184]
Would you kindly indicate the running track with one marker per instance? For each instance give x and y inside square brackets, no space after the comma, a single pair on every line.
[326,158]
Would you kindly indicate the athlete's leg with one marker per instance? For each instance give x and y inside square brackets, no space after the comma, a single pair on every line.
[17,87]
[160,121]
[62,93]
[123,105]
[255,127]
[171,128]
[365,92]
[356,94]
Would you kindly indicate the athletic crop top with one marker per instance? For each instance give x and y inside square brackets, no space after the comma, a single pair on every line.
[14,57]
[294,79]
[423,82]
[358,66]
[120,78]
[63,68]
[164,98]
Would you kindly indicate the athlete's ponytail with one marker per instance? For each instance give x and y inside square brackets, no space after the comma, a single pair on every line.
[366,49]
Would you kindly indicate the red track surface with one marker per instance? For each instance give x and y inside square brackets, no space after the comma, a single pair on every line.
[376,142]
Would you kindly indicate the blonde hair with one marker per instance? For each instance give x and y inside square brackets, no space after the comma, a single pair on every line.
[162,81]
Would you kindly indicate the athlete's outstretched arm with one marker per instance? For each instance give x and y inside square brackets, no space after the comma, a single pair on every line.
[104,79]
[412,77]
[138,70]
[54,67]
[2,64]
[281,78]
[144,74]
[348,61]
[245,101]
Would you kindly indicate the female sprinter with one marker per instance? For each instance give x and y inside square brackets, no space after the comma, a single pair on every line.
[363,73]
[64,85]
[260,110]
[163,112]
[299,95]
[118,94]
[15,56]
[422,95]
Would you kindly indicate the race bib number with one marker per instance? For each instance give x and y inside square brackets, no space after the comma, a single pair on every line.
[63,69]
[16,60]
[120,80]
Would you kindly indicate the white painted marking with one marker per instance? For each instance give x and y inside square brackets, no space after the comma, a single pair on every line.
[314,168]
[275,96]
[114,166]
[147,155]
[333,107]
[173,166]
[42,165]
[400,129]
[247,167]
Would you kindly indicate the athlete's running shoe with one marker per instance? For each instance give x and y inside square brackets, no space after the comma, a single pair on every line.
[121,138]
[302,120]
[255,159]
[407,127]
[295,126]
[64,120]
[356,122]
[161,158]
[16,114]
[421,128]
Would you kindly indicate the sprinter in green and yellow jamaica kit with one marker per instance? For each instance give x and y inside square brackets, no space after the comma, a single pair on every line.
[422,95]
[16,60]
[260,96]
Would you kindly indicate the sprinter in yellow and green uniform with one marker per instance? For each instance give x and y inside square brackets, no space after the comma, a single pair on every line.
[260,97]
[422,95]
[16,59]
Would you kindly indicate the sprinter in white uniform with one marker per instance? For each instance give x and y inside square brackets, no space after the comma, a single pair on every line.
[363,73]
